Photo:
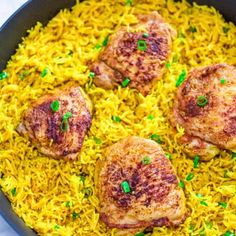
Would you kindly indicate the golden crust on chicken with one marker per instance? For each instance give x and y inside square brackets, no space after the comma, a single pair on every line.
[205,107]
[135,56]
[58,123]
[138,187]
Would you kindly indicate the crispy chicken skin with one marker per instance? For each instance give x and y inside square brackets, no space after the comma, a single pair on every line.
[122,58]
[42,125]
[155,198]
[215,122]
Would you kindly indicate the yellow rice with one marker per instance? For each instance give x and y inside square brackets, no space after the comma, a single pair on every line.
[46,192]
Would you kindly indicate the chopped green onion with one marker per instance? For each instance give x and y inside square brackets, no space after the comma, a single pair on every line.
[142,45]
[191,227]
[70,53]
[196,161]
[105,42]
[156,138]
[97,140]
[146,160]
[24,74]
[91,74]
[145,35]
[125,187]
[68,204]
[189,176]
[233,155]
[168,65]
[129,2]
[150,117]
[56,227]
[98,46]
[55,105]
[44,72]
[199,195]
[226,174]
[223,204]
[228,233]
[125,82]
[202,101]
[140,234]
[169,156]
[192,29]
[65,124]
[203,203]
[181,78]
[225,29]
[181,184]
[75,215]
[116,119]
[3,75]
[222,81]
[13,192]
[67,115]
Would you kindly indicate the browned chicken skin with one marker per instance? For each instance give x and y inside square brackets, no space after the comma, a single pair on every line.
[122,58]
[154,198]
[47,131]
[213,125]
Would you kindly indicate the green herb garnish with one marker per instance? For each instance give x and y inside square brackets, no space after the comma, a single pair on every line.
[226,29]
[150,117]
[3,75]
[223,81]
[98,46]
[181,184]
[55,105]
[156,138]
[142,45]
[125,187]
[24,74]
[65,123]
[68,204]
[116,119]
[181,78]
[97,140]
[223,204]
[229,233]
[125,82]
[44,72]
[203,203]
[91,74]
[13,192]
[140,234]
[75,215]
[199,195]
[169,156]
[192,29]
[128,2]
[196,161]
[202,101]
[146,160]
[145,35]
[233,155]
[105,42]
[56,227]
[189,176]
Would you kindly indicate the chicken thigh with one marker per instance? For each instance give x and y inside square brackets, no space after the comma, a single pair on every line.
[138,187]
[135,56]
[206,108]
[57,123]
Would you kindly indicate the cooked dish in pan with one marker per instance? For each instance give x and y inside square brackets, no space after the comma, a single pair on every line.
[119,118]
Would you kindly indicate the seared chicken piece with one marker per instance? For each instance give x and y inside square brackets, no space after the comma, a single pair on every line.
[154,198]
[59,133]
[138,53]
[206,108]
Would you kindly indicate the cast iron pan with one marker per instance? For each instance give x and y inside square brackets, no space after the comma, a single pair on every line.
[43,10]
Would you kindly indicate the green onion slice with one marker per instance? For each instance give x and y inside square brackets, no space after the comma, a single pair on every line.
[125,82]
[13,192]
[196,161]
[203,203]
[91,74]
[181,78]
[202,101]
[65,124]
[156,138]
[189,177]
[44,72]
[125,187]
[145,35]
[150,117]
[55,105]
[192,29]
[140,234]
[128,2]
[223,204]
[142,45]
[199,195]
[97,140]
[225,29]
[56,227]
[68,204]
[105,42]
[223,81]
[169,156]
[181,184]
[116,119]
[75,215]
[3,75]
[228,233]
[146,160]
[233,155]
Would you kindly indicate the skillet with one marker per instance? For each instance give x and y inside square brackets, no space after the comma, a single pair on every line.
[11,34]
